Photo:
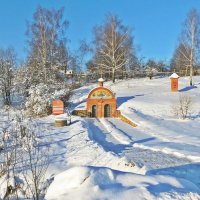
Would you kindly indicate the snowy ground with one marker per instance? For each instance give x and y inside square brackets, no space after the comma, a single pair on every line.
[166,150]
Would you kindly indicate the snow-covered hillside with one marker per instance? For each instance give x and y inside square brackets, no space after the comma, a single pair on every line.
[159,159]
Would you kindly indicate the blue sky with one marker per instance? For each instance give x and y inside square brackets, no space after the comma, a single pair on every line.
[156,23]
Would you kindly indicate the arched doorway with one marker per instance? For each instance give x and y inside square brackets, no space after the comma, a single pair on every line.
[94,111]
[107,110]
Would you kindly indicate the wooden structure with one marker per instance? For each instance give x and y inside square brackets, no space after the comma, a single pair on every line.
[57,107]
[60,122]
[174,82]
[101,102]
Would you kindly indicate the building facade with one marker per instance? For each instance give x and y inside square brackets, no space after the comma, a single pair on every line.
[101,102]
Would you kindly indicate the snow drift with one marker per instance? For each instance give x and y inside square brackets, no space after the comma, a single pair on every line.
[90,183]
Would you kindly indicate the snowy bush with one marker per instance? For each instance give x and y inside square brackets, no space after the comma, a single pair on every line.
[150,74]
[10,187]
[183,107]
[38,103]
[24,159]
[63,95]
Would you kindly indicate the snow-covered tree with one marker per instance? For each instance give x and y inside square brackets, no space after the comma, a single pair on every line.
[46,40]
[38,102]
[7,65]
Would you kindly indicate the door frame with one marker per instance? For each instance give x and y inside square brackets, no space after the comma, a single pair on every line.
[94,109]
[107,106]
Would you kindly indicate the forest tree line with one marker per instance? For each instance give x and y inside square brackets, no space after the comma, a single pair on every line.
[112,55]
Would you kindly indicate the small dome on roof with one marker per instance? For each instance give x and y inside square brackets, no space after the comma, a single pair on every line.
[174,75]
[101,80]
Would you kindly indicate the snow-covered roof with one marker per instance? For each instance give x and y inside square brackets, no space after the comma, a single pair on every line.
[174,75]
[101,80]
[62,116]
[69,72]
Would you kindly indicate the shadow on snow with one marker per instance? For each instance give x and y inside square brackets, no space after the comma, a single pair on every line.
[121,100]
[188,88]
[189,172]
[98,135]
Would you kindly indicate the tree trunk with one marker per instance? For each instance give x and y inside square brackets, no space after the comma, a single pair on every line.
[192,50]
[191,66]
[113,75]
[186,71]
[191,73]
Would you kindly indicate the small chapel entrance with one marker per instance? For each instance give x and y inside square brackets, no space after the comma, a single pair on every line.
[101,102]
[94,111]
[107,110]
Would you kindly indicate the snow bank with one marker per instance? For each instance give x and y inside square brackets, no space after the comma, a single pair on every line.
[90,183]
[66,181]
[118,135]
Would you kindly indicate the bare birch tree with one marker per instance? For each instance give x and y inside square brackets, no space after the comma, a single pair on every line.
[113,46]
[179,61]
[190,40]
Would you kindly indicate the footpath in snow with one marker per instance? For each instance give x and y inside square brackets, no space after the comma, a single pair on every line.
[153,161]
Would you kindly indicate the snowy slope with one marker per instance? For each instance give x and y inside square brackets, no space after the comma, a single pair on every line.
[166,150]
[161,144]
[149,104]
[150,107]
